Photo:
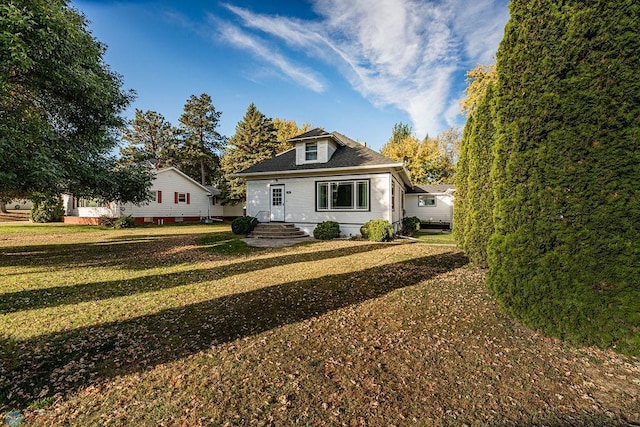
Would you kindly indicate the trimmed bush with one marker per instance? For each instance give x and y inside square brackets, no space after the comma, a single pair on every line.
[46,209]
[377,230]
[327,230]
[243,224]
[564,256]
[410,225]
[124,221]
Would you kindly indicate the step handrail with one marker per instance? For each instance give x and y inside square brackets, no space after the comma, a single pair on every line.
[267,215]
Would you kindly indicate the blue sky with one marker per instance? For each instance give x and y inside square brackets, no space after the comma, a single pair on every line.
[356,67]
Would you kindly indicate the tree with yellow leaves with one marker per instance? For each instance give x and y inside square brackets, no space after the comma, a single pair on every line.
[428,161]
[286,129]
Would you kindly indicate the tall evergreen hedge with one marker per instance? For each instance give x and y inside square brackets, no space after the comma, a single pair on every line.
[565,256]
[461,210]
[479,224]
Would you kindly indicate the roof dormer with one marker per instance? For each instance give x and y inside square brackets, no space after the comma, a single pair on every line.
[315,146]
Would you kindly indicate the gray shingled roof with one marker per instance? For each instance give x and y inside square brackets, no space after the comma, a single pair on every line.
[431,188]
[350,154]
[316,132]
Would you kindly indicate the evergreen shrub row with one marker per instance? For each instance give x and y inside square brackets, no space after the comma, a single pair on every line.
[556,222]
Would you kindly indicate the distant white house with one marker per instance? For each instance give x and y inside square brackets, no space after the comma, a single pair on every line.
[433,204]
[175,197]
[19,204]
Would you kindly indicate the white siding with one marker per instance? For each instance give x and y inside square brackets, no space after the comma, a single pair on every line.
[441,212]
[170,182]
[233,210]
[300,201]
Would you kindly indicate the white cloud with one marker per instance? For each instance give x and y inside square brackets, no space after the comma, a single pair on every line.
[405,53]
[300,75]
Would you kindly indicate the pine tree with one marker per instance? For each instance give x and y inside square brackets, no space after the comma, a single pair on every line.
[198,152]
[254,141]
[149,137]
[565,255]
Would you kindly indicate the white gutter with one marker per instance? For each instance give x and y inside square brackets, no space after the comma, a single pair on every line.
[322,170]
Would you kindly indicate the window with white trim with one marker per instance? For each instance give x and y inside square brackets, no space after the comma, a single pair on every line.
[311,151]
[426,201]
[342,195]
[182,197]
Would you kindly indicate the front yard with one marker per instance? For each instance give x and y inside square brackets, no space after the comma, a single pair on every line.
[185,325]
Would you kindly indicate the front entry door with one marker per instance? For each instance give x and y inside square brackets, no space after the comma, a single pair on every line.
[277,203]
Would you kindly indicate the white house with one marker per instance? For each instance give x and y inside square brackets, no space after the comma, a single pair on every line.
[19,204]
[175,197]
[433,204]
[327,177]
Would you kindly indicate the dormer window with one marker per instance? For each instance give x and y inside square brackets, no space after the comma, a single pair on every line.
[311,151]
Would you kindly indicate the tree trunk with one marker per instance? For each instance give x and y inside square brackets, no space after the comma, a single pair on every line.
[3,207]
[202,170]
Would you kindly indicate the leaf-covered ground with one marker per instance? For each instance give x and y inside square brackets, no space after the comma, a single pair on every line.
[168,326]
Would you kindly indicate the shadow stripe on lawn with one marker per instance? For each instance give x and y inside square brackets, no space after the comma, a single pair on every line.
[65,361]
[93,291]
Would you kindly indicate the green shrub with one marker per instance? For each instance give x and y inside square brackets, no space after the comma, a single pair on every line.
[410,225]
[124,221]
[243,224]
[327,230]
[377,230]
[46,209]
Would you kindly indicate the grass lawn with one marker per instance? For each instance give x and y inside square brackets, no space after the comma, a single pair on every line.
[436,236]
[188,326]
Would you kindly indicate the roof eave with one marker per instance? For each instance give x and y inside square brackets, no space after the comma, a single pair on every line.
[315,138]
[319,170]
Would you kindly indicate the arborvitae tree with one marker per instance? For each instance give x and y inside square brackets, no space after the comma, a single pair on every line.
[479,193]
[565,255]
[200,145]
[254,141]
[461,209]
[473,213]
[149,138]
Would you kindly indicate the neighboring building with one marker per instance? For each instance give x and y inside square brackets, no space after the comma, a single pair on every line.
[433,204]
[327,177]
[175,197]
[19,204]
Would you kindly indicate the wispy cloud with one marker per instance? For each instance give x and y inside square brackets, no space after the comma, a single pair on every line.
[241,39]
[405,53]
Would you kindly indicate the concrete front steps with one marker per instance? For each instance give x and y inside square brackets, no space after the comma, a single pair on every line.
[276,230]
